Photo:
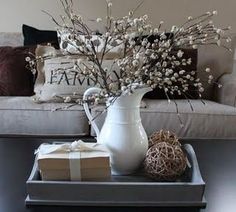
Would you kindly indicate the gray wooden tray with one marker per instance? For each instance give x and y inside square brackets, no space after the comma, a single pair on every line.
[135,190]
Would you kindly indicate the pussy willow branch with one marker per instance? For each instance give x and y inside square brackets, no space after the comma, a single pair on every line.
[104,49]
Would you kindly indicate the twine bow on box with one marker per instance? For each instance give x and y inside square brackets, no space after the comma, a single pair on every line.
[76,146]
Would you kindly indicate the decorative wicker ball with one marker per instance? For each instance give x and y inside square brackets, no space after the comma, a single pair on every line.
[163,136]
[165,161]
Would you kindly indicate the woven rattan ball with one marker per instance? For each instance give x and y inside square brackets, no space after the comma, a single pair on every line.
[163,136]
[165,161]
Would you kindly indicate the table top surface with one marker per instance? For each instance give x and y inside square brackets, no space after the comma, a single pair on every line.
[217,161]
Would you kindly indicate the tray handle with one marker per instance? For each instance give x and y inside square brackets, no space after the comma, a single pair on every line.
[196,174]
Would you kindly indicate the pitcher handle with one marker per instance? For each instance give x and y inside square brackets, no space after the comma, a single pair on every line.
[89,92]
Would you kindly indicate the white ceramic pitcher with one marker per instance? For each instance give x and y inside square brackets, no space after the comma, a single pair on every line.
[122,132]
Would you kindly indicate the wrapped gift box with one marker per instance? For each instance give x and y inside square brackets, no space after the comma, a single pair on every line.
[77,161]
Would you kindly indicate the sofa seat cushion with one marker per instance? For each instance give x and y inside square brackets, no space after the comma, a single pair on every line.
[209,120]
[21,116]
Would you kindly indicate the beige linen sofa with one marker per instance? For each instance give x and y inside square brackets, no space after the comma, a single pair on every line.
[215,118]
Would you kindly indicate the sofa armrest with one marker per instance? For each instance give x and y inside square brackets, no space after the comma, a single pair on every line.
[227,93]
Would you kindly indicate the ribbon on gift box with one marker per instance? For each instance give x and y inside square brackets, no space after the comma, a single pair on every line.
[74,149]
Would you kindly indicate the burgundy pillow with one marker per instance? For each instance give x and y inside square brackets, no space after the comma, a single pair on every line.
[15,78]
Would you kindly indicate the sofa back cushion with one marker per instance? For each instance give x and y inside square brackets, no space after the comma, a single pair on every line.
[15,78]
[11,39]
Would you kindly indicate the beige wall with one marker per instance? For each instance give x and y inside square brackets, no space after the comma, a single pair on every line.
[13,13]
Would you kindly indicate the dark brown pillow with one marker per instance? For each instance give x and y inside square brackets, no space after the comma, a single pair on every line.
[15,78]
[158,93]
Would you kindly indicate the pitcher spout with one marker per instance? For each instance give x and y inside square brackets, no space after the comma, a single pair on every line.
[131,99]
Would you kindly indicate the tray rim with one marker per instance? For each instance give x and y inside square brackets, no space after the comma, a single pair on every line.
[198,204]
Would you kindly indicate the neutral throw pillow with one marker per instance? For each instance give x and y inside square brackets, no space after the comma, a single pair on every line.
[15,78]
[57,78]
[42,51]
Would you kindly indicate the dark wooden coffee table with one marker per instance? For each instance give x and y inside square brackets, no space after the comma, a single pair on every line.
[217,160]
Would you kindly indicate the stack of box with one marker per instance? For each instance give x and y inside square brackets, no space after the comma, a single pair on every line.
[61,162]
